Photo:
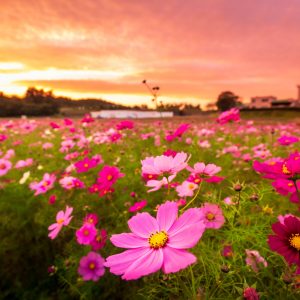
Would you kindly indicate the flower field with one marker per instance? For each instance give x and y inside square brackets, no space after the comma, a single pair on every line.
[163,209]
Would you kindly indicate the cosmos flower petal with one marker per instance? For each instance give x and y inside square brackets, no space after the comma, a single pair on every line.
[176,259]
[143,224]
[128,240]
[167,215]
[187,237]
[147,264]
[192,215]
[118,263]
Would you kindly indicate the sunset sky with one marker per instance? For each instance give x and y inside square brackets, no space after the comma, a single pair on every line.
[192,49]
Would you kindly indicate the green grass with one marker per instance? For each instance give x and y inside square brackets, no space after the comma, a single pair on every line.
[26,252]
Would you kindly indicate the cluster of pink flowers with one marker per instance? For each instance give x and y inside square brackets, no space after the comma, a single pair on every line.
[107,177]
[165,166]
[284,172]
[232,115]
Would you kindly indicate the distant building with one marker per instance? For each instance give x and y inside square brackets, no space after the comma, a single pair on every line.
[273,102]
[262,102]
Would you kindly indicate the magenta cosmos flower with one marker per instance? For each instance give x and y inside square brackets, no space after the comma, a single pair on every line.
[86,234]
[137,206]
[91,266]
[108,176]
[62,219]
[286,240]
[232,115]
[157,243]
[287,140]
[212,215]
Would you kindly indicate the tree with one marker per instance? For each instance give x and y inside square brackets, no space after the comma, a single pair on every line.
[227,100]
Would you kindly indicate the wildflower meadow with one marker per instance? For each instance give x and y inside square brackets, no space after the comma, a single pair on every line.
[163,209]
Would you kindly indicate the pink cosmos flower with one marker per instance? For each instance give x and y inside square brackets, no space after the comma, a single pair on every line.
[91,267]
[212,215]
[178,132]
[91,219]
[54,125]
[227,251]
[157,184]
[44,185]
[250,293]
[47,146]
[23,163]
[126,124]
[86,234]
[254,260]
[165,166]
[157,243]
[186,189]
[5,166]
[3,137]
[10,153]
[137,206]
[62,219]
[85,165]
[109,175]
[287,140]
[70,182]
[205,172]
[229,201]
[99,241]
[204,144]
[52,199]
[232,115]
[87,119]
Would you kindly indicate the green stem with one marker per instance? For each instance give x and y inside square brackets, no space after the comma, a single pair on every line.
[237,207]
[192,200]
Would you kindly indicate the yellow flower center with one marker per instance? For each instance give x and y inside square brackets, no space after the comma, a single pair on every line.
[92,266]
[45,184]
[99,238]
[191,186]
[271,163]
[86,232]
[290,184]
[210,216]
[60,221]
[295,241]
[86,165]
[285,170]
[109,177]
[197,180]
[158,239]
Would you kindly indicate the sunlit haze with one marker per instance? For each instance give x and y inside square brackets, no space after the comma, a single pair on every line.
[192,50]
